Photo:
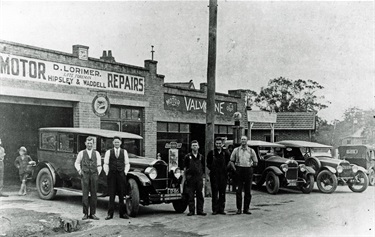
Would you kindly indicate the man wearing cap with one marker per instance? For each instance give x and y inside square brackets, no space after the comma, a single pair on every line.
[89,165]
[242,160]
[2,155]
[116,167]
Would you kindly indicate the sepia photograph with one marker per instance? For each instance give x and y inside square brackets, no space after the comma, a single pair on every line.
[153,118]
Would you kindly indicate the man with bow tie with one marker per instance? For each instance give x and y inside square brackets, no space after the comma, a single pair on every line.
[116,167]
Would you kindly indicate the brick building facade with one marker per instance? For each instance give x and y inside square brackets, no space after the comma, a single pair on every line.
[47,88]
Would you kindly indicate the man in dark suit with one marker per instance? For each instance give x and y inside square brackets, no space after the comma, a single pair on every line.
[116,166]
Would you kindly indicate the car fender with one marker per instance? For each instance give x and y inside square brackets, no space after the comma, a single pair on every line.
[49,166]
[274,169]
[310,170]
[330,169]
[360,168]
[141,178]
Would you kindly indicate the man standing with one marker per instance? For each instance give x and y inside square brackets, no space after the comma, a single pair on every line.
[89,166]
[116,167]
[2,155]
[243,159]
[217,162]
[193,171]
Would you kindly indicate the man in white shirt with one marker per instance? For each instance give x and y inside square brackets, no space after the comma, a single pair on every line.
[89,165]
[116,167]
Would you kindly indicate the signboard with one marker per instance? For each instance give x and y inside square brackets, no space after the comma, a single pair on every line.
[30,69]
[100,105]
[173,154]
[261,117]
[197,105]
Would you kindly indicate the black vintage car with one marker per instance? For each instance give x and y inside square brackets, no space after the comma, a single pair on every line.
[362,155]
[277,171]
[329,171]
[150,181]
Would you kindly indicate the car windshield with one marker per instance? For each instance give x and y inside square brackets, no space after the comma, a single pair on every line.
[317,151]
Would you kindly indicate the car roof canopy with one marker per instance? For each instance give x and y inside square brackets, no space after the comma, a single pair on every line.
[93,131]
[292,143]
[256,143]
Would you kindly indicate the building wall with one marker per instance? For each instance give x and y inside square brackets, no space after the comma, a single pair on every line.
[303,135]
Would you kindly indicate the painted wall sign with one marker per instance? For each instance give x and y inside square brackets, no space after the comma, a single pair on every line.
[197,105]
[100,105]
[25,68]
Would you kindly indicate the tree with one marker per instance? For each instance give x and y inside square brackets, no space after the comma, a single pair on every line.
[285,95]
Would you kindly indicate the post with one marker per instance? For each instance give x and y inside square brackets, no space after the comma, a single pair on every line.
[249,127]
[211,71]
[272,132]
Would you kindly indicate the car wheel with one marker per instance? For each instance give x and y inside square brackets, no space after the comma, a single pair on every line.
[132,203]
[45,185]
[326,181]
[180,205]
[359,183]
[272,183]
[309,185]
[371,177]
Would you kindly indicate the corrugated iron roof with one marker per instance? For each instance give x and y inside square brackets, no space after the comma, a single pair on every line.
[290,121]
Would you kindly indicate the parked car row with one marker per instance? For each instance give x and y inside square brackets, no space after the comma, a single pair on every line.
[152,181]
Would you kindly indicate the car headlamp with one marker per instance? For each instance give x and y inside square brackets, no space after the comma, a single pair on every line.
[339,169]
[151,172]
[284,167]
[354,168]
[176,172]
[302,168]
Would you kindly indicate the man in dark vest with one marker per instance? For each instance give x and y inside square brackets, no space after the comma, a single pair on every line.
[217,162]
[89,166]
[116,167]
[194,170]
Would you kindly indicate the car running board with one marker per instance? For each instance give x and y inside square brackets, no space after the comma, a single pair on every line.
[70,190]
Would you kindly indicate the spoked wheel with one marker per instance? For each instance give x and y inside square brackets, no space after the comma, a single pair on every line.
[309,185]
[359,183]
[371,178]
[272,183]
[326,181]
[45,185]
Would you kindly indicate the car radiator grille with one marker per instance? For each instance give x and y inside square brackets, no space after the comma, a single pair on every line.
[161,180]
[347,171]
[292,172]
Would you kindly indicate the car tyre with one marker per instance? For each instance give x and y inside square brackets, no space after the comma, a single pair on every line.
[309,185]
[180,205]
[45,185]
[272,183]
[363,185]
[326,177]
[371,177]
[132,203]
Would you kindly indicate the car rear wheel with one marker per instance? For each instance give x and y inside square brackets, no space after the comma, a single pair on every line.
[132,203]
[309,185]
[359,183]
[45,185]
[272,183]
[326,181]
[371,177]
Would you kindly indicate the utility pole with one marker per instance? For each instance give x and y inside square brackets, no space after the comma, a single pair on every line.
[211,72]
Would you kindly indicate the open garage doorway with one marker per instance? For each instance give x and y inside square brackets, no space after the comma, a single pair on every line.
[19,124]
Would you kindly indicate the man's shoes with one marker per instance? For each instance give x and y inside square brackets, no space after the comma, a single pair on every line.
[124,216]
[108,217]
[85,217]
[222,213]
[238,212]
[4,195]
[190,214]
[201,213]
[214,213]
[247,212]
[94,217]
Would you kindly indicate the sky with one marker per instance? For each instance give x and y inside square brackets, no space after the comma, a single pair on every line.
[328,42]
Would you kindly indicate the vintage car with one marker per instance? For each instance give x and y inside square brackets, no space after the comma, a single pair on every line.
[362,155]
[277,171]
[150,181]
[329,171]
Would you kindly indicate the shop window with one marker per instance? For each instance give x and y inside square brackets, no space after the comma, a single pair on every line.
[230,130]
[66,142]
[109,125]
[48,141]
[131,127]
[113,113]
[136,114]
[184,128]
[216,129]
[173,127]
[223,130]
[162,127]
